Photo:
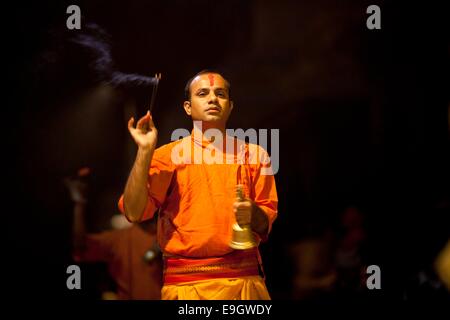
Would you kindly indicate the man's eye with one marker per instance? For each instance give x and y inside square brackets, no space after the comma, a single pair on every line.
[201,94]
[221,94]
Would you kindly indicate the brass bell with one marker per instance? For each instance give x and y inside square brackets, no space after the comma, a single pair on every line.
[242,237]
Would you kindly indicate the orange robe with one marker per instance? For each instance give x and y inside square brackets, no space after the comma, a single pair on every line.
[195,200]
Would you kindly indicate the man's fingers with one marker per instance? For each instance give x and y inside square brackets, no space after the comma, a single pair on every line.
[130,123]
[242,205]
[243,218]
[151,124]
[142,121]
[242,211]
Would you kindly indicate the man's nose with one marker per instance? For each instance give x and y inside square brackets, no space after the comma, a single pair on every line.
[212,98]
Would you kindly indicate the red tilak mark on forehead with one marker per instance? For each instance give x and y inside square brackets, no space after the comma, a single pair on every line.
[211,79]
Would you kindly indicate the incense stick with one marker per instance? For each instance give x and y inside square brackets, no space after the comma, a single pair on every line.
[155,89]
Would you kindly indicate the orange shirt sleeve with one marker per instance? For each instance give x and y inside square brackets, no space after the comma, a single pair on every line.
[264,192]
[159,179]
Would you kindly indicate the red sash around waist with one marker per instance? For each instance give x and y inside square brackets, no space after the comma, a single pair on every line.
[239,263]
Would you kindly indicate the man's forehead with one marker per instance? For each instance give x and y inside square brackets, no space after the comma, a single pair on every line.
[208,80]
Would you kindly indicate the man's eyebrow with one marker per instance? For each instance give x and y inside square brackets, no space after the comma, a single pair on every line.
[221,89]
[202,89]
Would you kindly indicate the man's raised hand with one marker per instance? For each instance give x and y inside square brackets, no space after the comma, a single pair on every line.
[145,134]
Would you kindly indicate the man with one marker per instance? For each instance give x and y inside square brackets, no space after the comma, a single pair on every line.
[129,250]
[196,199]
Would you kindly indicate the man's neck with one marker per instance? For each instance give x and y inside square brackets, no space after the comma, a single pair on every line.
[200,127]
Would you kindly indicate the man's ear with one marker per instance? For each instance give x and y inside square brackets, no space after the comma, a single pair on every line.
[231,105]
[187,107]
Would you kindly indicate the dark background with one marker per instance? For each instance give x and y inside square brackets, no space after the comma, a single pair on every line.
[363,119]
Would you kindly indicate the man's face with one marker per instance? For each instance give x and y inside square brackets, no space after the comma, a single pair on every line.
[210,101]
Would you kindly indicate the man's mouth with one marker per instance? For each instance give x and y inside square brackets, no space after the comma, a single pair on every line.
[215,108]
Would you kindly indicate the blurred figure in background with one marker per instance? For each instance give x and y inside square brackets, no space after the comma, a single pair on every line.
[350,266]
[442,265]
[129,250]
[314,272]
[430,277]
